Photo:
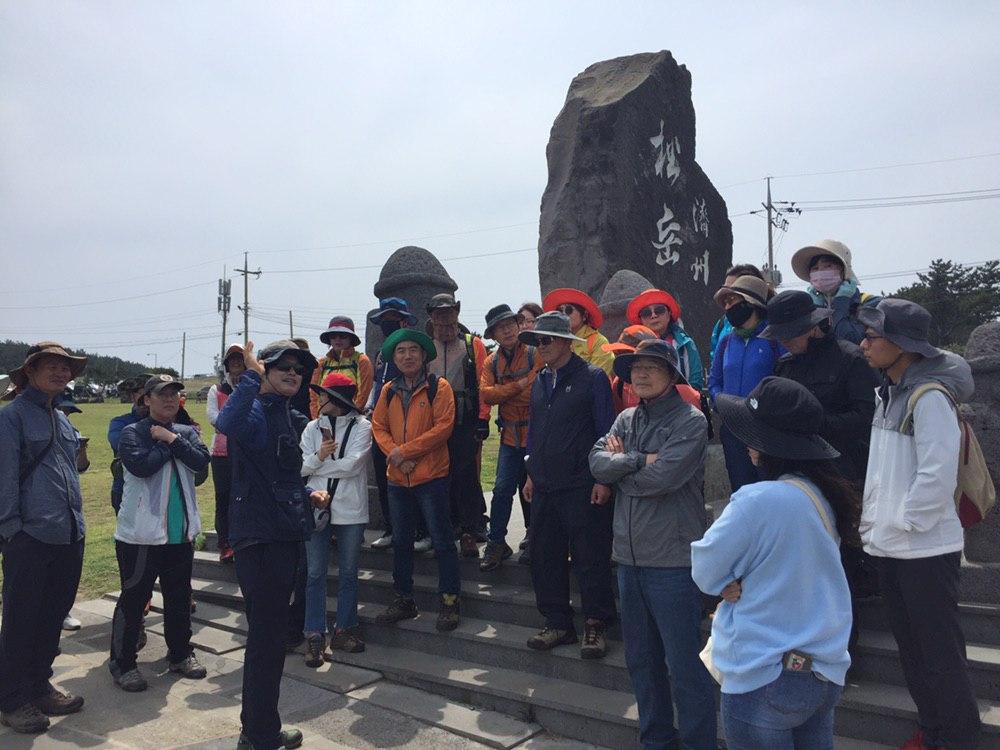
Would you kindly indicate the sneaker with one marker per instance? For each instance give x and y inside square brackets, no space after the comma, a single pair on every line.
[27,719]
[423,545]
[226,554]
[140,642]
[448,614]
[524,543]
[71,623]
[525,557]
[494,554]
[401,609]
[315,646]
[916,742]
[190,668]
[594,645]
[58,703]
[469,546]
[349,641]
[549,638]
[382,542]
[132,681]
[290,739]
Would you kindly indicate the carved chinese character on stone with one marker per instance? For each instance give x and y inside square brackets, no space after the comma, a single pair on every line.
[700,268]
[668,229]
[666,155]
[699,216]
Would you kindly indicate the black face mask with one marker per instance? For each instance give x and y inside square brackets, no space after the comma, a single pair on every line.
[739,314]
[389,327]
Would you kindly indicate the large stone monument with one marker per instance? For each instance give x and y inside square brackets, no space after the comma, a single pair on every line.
[625,192]
[982,542]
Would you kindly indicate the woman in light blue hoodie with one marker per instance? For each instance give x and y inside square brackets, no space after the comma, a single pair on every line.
[780,635]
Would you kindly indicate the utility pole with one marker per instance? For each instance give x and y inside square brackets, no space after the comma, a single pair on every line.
[184,338]
[291,330]
[225,288]
[770,228]
[246,295]
[775,220]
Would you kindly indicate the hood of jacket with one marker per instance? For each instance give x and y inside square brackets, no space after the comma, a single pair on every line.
[948,369]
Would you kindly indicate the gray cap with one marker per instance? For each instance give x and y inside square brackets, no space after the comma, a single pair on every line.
[904,323]
[555,324]
[277,349]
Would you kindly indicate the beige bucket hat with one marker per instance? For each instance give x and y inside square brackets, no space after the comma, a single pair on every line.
[804,257]
[42,349]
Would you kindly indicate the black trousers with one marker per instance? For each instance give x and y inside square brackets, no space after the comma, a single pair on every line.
[139,565]
[921,600]
[381,480]
[297,607]
[465,493]
[222,478]
[565,524]
[266,573]
[39,586]
[525,506]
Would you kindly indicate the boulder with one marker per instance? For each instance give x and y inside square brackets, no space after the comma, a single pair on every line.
[621,289]
[982,542]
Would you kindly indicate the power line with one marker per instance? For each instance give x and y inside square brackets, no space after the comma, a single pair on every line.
[108,301]
[896,197]
[379,265]
[888,166]
[860,206]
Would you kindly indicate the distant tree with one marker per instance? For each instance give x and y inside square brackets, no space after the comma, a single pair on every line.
[959,298]
[100,368]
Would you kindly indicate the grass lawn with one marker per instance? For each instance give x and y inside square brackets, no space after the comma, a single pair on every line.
[100,567]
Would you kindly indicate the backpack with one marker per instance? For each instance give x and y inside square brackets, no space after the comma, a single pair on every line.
[513,375]
[432,390]
[975,493]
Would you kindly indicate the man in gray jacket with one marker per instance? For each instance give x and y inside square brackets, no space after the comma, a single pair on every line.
[654,458]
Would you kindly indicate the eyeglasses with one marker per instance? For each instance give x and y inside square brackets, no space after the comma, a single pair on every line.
[649,312]
[297,369]
[873,337]
[544,340]
[566,309]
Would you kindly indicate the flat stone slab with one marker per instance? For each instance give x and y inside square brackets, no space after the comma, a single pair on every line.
[335,677]
[488,727]
[313,742]
[203,637]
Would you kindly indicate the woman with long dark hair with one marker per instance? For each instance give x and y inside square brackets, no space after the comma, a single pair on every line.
[779,638]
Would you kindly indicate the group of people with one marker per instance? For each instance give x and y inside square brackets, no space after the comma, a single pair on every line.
[843,465]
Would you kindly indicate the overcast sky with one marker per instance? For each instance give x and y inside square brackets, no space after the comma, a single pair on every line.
[145,145]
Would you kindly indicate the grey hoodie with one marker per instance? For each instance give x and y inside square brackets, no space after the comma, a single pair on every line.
[659,508]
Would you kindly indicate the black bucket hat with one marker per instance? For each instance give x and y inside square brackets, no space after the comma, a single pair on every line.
[277,349]
[655,349]
[441,301]
[498,314]
[779,418]
[791,314]
[904,323]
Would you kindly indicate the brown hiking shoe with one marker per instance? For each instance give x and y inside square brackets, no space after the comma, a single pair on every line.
[58,703]
[448,614]
[27,719]
[400,609]
[549,638]
[347,640]
[494,554]
[594,645]
[469,546]
[315,646]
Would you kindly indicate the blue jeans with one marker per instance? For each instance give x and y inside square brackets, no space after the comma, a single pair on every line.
[349,539]
[432,499]
[510,469]
[661,628]
[795,712]
[739,467]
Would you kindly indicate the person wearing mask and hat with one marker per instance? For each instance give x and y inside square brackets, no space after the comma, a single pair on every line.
[157,524]
[826,265]
[393,313]
[41,536]
[218,394]
[571,513]
[654,459]
[741,361]
[779,638]
[909,522]
[336,448]
[506,383]
[660,312]
[412,422]
[460,359]
[722,325]
[584,319]
[270,518]
[343,357]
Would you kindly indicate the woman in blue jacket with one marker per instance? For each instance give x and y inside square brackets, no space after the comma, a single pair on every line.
[660,312]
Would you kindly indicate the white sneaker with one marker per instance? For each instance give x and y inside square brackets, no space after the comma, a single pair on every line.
[423,545]
[382,542]
[71,623]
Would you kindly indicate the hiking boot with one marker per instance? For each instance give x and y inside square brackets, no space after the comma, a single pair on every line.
[290,739]
[315,646]
[132,681]
[401,609]
[382,542]
[226,554]
[524,543]
[71,623]
[27,719]
[190,668]
[348,641]
[448,614]
[494,554]
[58,703]
[549,638]
[525,557]
[594,645]
[423,545]
[469,546]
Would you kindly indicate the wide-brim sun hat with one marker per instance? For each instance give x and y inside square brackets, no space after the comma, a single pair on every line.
[779,418]
[498,315]
[804,257]
[340,324]
[393,305]
[904,323]
[566,296]
[408,334]
[791,314]
[750,288]
[657,350]
[554,324]
[652,297]
[339,388]
[277,349]
[19,377]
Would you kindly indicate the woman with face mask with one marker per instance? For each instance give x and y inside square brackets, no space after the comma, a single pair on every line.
[826,265]
[741,361]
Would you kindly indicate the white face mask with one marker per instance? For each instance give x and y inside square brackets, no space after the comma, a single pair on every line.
[825,281]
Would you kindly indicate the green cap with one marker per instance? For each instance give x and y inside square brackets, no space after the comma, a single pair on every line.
[408,334]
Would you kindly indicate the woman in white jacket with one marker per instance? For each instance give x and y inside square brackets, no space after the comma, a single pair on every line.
[335,453]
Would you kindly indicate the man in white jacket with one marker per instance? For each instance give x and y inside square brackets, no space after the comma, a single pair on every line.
[335,452]
[909,523]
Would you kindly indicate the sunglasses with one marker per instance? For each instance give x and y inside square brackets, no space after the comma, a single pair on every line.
[297,369]
[649,312]
[544,340]
[567,309]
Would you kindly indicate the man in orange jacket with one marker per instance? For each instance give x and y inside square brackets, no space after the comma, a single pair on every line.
[411,423]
